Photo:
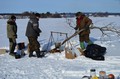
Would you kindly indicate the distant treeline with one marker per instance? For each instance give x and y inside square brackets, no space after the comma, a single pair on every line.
[56,15]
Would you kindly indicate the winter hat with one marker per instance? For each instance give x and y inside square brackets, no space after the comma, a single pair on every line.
[37,14]
[12,17]
[79,13]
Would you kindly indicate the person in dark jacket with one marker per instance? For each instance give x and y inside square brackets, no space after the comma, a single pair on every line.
[32,33]
[12,33]
[83,22]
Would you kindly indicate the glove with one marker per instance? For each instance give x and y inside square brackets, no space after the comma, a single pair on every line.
[75,28]
[40,31]
[91,25]
[15,36]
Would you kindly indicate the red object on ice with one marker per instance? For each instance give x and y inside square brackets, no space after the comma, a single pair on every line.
[111,76]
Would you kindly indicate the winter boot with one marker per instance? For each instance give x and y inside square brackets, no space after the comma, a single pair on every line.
[31,54]
[90,42]
[82,45]
[12,53]
[39,54]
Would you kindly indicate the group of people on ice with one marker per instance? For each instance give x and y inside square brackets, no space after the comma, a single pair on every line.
[33,32]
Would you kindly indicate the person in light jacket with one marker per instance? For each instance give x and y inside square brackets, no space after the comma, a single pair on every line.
[12,33]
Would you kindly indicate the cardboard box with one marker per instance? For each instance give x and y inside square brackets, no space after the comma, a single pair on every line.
[2,51]
[81,51]
[69,54]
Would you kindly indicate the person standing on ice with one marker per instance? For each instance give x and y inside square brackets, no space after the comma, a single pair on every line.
[32,33]
[12,34]
[83,22]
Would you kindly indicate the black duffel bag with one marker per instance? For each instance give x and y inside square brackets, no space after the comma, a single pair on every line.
[95,52]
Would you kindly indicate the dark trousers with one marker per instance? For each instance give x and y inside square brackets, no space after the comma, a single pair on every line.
[12,42]
[34,45]
[83,38]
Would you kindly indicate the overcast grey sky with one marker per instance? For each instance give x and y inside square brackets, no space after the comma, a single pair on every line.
[16,6]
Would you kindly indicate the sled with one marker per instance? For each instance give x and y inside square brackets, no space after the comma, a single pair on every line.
[56,43]
[57,48]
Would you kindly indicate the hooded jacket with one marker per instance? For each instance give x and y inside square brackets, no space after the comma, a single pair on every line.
[33,29]
[11,29]
[83,22]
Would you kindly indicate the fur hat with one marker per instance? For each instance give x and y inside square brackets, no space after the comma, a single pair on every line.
[37,14]
[79,13]
[12,17]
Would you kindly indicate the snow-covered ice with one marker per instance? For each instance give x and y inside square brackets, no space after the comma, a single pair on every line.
[56,66]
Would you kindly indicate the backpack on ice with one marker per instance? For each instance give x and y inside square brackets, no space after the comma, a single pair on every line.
[95,52]
[20,50]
